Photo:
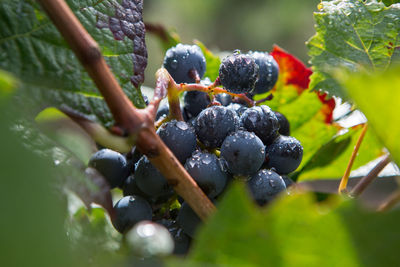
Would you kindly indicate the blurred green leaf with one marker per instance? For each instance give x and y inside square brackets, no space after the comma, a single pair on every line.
[212,61]
[313,135]
[295,231]
[33,211]
[331,160]
[66,133]
[7,84]
[33,50]
[353,34]
[237,219]
[91,230]
[379,104]
[390,2]
[33,200]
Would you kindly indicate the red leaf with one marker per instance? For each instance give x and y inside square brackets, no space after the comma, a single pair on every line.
[328,106]
[294,72]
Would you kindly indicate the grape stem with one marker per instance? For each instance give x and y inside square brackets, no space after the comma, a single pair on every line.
[268,98]
[345,178]
[139,124]
[158,30]
[366,180]
[212,89]
[174,90]
[390,202]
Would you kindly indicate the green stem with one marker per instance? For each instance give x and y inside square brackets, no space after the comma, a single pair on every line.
[345,178]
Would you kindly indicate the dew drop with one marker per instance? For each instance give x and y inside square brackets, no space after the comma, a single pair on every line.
[174,64]
[206,160]
[192,163]
[182,125]
[272,183]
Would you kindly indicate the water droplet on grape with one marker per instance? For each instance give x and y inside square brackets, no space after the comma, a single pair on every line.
[207,159]
[174,64]
[182,125]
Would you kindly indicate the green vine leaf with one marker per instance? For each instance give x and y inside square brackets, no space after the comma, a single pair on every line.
[354,35]
[127,23]
[379,105]
[293,231]
[34,180]
[7,85]
[331,160]
[390,2]
[32,49]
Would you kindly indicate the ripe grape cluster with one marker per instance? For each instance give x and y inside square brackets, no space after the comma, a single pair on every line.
[220,140]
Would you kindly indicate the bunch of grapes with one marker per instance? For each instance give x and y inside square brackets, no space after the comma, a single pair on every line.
[220,139]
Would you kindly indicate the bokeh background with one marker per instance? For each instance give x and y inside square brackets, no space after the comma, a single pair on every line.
[226,25]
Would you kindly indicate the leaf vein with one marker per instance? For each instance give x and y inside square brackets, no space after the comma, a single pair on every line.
[26,34]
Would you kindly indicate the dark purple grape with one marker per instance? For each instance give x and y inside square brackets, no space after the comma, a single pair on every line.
[244,153]
[111,164]
[182,241]
[179,137]
[288,181]
[188,220]
[265,185]
[238,108]
[284,126]
[207,171]
[268,72]
[149,180]
[130,210]
[195,102]
[214,124]
[224,99]
[163,111]
[238,73]
[284,154]
[132,157]
[182,59]
[262,121]
[130,188]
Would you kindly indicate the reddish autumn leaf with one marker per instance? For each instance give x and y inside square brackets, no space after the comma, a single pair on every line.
[328,107]
[294,72]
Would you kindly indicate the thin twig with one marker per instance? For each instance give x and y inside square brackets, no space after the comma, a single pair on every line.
[366,180]
[391,201]
[268,98]
[345,178]
[138,123]
[158,30]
